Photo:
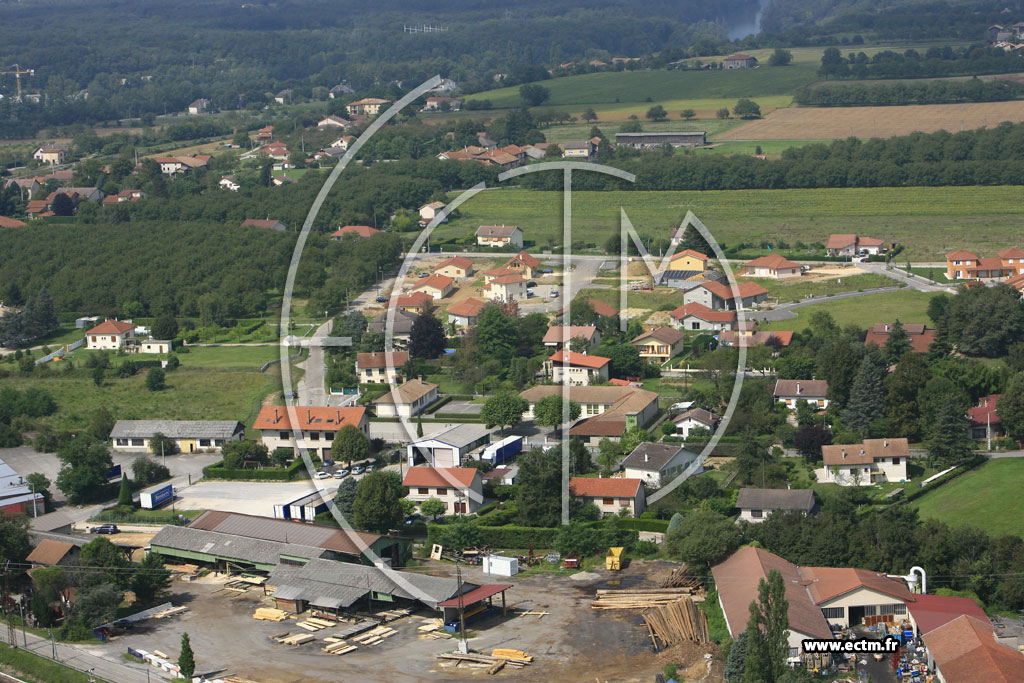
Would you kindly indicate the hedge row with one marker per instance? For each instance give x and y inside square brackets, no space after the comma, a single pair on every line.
[296,470]
[656,525]
[502,536]
[432,420]
[437,405]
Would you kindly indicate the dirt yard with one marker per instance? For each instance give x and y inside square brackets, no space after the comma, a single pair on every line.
[830,123]
[571,640]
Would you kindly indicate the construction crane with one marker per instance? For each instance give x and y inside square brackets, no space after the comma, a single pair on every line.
[18,73]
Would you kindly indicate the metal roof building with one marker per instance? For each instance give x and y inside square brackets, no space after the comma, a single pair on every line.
[448,447]
[189,435]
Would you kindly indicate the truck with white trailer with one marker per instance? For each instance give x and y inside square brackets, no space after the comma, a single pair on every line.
[155,496]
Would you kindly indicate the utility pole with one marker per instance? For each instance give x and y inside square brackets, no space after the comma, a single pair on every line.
[463,645]
[12,634]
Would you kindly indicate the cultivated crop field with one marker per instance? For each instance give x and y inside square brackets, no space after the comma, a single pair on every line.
[829,123]
[930,221]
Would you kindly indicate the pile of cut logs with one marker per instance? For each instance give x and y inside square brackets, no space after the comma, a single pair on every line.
[676,621]
[682,578]
[640,598]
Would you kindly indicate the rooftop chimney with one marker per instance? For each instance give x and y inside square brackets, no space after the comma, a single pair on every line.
[309,415]
[844,453]
[646,457]
[885,443]
[337,416]
[276,416]
[862,452]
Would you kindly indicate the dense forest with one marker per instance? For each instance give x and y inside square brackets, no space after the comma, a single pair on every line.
[927,92]
[936,62]
[240,56]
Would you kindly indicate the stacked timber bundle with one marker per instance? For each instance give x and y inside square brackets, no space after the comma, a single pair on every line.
[493,663]
[270,614]
[682,578]
[639,598]
[676,621]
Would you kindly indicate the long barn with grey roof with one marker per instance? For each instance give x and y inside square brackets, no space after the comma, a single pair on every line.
[190,436]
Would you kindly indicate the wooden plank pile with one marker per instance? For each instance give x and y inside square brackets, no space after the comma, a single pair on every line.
[534,613]
[337,646]
[270,614]
[682,578]
[295,639]
[511,655]
[374,636]
[676,621]
[492,663]
[170,612]
[639,598]
[433,629]
[314,624]
[392,614]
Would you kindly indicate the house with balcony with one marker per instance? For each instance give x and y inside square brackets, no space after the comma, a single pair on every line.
[461,489]
[659,344]
[380,367]
[313,428]
[873,461]
[577,368]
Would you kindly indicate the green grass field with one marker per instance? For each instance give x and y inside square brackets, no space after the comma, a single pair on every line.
[907,305]
[930,221]
[661,86]
[211,384]
[661,299]
[987,497]
[787,291]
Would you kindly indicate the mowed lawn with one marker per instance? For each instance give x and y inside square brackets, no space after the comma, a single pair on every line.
[928,221]
[987,497]
[908,306]
[795,289]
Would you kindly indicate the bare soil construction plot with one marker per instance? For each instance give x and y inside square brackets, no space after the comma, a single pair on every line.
[830,123]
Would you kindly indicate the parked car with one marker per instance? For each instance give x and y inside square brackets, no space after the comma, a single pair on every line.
[554,294]
[413,518]
[423,273]
[122,624]
[646,287]
[368,469]
[341,474]
[105,529]
[382,299]
[531,283]
[323,475]
[358,469]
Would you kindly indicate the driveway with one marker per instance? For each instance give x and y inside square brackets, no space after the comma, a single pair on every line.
[915,281]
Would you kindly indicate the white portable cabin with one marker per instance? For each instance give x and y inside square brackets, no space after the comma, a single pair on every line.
[500,565]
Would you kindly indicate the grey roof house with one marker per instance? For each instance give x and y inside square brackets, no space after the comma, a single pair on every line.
[756,504]
[190,436]
[657,463]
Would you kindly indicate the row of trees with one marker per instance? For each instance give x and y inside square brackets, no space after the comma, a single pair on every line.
[930,92]
[972,60]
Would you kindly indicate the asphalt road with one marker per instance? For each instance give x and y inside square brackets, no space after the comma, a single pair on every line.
[106,668]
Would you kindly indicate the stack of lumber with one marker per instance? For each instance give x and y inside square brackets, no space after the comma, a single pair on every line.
[512,655]
[682,578]
[170,612]
[676,621]
[374,636]
[493,664]
[356,629]
[336,646]
[295,640]
[270,614]
[392,614]
[314,624]
[534,613]
[433,629]
[638,598]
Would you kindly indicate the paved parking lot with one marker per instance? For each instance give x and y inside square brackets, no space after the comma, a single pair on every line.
[461,408]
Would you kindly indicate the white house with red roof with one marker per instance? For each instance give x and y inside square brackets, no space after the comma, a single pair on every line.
[522,264]
[456,267]
[611,495]
[561,336]
[772,266]
[437,286]
[719,296]
[461,489]
[578,369]
[693,317]
[739,61]
[505,288]
[380,367]
[110,334]
[849,244]
[464,313]
[316,426]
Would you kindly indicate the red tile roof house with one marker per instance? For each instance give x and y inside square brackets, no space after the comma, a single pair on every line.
[719,296]
[851,245]
[437,286]
[380,368]
[577,368]
[966,649]
[414,302]
[109,334]
[814,391]
[699,317]
[6,222]
[985,420]
[461,489]
[557,335]
[357,230]
[919,336]
[772,266]
[464,313]
[870,462]
[1013,260]
[456,267]
[660,344]
[966,265]
[522,264]
[611,495]
[605,411]
[602,309]
[316,426]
